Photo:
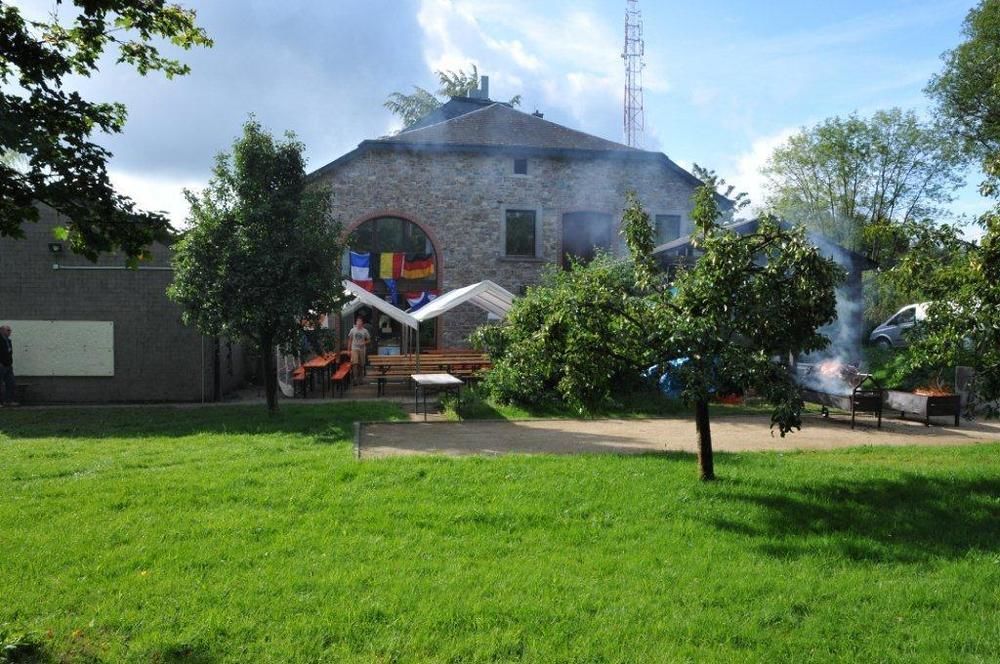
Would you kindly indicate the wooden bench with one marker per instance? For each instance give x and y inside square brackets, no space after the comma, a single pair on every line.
[341,378]
[467,365]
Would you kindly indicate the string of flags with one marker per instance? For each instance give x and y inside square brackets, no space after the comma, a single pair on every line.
[419,299]
[391,265]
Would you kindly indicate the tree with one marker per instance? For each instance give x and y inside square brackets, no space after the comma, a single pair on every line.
[747,300]
[962,277]
[967,91]
[50,128]
[262,257]
[420,102]
[576,338]
[856,179]
[739,199]
[584,336]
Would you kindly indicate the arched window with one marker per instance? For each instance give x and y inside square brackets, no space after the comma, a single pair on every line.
[395,259]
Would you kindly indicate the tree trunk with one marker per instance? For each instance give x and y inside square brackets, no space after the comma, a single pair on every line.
[270,372]
[706,466]
[216,370]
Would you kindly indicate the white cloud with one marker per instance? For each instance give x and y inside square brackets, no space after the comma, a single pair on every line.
[562,60]
[747,176]
[156,193]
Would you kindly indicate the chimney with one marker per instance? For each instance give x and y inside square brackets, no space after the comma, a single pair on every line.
[538,114]
[484,87]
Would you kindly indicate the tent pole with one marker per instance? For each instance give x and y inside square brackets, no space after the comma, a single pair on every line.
[418,348]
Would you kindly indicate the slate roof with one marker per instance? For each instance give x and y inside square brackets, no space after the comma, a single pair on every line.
[499,125]
[469,125]
[452,108]
[682,245]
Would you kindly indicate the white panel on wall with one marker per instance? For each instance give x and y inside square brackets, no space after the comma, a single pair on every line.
[63,347]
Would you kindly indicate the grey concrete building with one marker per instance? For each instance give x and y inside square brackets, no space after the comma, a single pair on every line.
[97,332]
[490,192]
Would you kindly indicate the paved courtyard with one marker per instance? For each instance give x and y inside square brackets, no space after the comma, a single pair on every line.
[729,434]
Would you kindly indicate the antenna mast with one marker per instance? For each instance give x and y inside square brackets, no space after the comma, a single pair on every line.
[632,55]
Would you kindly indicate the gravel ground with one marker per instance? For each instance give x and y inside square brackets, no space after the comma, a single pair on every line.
[729,434]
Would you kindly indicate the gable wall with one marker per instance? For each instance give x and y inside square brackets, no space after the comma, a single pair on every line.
[460,199]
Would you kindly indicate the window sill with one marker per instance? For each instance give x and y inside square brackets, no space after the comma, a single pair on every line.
[522,259]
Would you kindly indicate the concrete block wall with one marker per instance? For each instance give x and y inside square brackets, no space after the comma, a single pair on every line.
[157,357]
[460,199]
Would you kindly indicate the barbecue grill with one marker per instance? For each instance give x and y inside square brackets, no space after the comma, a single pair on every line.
[862,394]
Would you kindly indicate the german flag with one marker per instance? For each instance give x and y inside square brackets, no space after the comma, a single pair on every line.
[418,266]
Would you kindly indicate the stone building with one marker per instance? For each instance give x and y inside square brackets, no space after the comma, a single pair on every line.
[98,332]
[490,192]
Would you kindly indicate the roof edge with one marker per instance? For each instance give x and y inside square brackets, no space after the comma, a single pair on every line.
[380,145]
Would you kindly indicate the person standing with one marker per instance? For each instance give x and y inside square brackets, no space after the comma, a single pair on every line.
[358,339]
[7,387]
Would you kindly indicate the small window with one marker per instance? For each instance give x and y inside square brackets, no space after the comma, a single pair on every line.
[520,234]
[668,228]
[520,167]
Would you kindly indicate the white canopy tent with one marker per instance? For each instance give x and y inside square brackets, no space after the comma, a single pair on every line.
[364,298]
[486,295]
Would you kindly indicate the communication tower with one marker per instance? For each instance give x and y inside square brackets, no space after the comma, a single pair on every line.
[633,57]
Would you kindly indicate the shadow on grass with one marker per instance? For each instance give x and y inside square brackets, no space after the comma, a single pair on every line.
[327,423]
[910,519]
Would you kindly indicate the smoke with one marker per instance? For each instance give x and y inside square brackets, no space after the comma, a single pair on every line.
[847,330]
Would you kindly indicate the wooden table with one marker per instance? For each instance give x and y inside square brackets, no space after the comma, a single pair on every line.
[320,363]
[440,382]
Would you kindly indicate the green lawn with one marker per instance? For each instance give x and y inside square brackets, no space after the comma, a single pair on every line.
[220,534]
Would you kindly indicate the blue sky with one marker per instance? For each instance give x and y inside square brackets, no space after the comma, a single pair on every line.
[725,81]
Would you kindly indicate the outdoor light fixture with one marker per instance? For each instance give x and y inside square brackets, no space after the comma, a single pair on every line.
[55,247]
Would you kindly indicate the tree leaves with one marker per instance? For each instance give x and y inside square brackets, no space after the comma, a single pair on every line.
[50,128]
[262,258]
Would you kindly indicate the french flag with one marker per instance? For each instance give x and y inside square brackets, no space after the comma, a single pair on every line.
[361,266]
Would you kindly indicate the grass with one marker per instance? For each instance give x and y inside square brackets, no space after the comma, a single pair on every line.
[220,534]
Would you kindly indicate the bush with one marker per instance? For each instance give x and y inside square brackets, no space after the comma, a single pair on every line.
[576,338]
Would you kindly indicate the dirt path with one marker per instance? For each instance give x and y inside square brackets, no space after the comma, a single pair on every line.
[729,434]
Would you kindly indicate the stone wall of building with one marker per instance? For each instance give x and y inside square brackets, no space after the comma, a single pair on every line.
[156,357]
[460,200]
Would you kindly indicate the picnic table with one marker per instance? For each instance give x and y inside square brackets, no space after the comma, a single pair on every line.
[463,364]
[440,382]
[320,364]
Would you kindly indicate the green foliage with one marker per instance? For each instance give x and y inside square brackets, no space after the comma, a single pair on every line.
[962,280]
[585,335]
[853,179]
[740,199]
[262,256]
[49,129]
[20,646]
[578,338]
[747,299]
[410,108]
[967,91]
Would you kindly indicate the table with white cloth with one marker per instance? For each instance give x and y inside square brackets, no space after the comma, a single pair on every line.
[439,382]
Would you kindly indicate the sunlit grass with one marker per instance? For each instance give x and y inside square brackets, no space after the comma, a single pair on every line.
[222,534]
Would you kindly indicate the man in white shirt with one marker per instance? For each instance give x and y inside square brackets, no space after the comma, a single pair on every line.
[357,340]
